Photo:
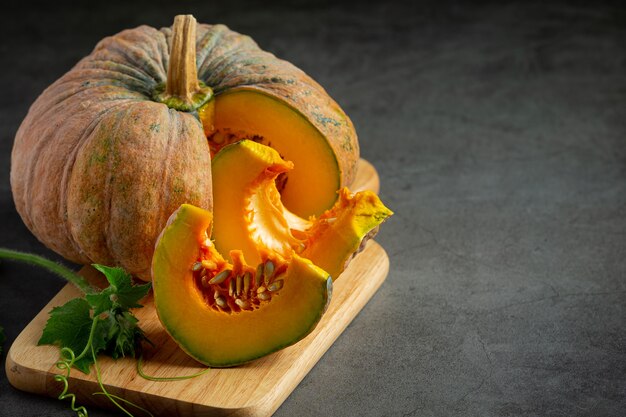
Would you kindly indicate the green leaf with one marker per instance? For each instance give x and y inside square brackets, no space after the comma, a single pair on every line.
[100,302]
[99,344]
[115,332]
[123,334]
[69,326]
[120,294]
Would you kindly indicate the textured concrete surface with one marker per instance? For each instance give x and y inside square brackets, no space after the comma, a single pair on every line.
[499,132]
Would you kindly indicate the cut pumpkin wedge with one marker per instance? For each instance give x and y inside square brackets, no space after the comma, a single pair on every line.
[247,113]
[227,313]
[250,215]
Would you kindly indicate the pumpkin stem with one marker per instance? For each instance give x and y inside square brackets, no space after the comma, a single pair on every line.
[183,91]
[182,75]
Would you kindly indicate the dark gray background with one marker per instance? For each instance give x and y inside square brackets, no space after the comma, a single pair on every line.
[499,131]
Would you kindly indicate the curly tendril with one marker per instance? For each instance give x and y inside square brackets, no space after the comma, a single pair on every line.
[68,359]
[65,364]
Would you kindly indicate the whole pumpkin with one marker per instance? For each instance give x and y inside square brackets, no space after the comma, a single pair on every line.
[112,148]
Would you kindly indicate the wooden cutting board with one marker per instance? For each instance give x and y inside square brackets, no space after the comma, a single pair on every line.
[254,389]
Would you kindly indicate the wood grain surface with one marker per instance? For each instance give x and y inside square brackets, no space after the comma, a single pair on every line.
[254,389]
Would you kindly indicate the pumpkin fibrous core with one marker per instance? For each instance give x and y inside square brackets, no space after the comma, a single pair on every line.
[234,287]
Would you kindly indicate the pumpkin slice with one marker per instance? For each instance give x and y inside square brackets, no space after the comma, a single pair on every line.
[227,313]
[247,113]
[341,232]
[249,213]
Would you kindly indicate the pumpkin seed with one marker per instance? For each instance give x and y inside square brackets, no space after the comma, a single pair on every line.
[264,296]
[260,290]
[231,287]
[258,277]
[241,303]
[216,294]
[221,301]
[238,285]
[268,272]
[331,220]
[221,277]
[276,285]
[247,277]
[196,267]
[269,268]
[208,264]
[205,283]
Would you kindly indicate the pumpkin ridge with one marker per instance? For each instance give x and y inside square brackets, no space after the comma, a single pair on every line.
[159,44]
[216,66]
[213,67]
[66,92]
[26,194]
[164,51]
[217,71]
[125,84]
[173,127]
[225,42]
[67,174]
[254,74]
[178,141]
[249,72]
[143,67]
[75,233]
[38,148]
[206,43]
[108,235]
[119,67]
[131,52]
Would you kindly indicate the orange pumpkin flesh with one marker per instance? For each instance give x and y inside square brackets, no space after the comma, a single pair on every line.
[250,216]
[340,233]
[231,332]
[246,113]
